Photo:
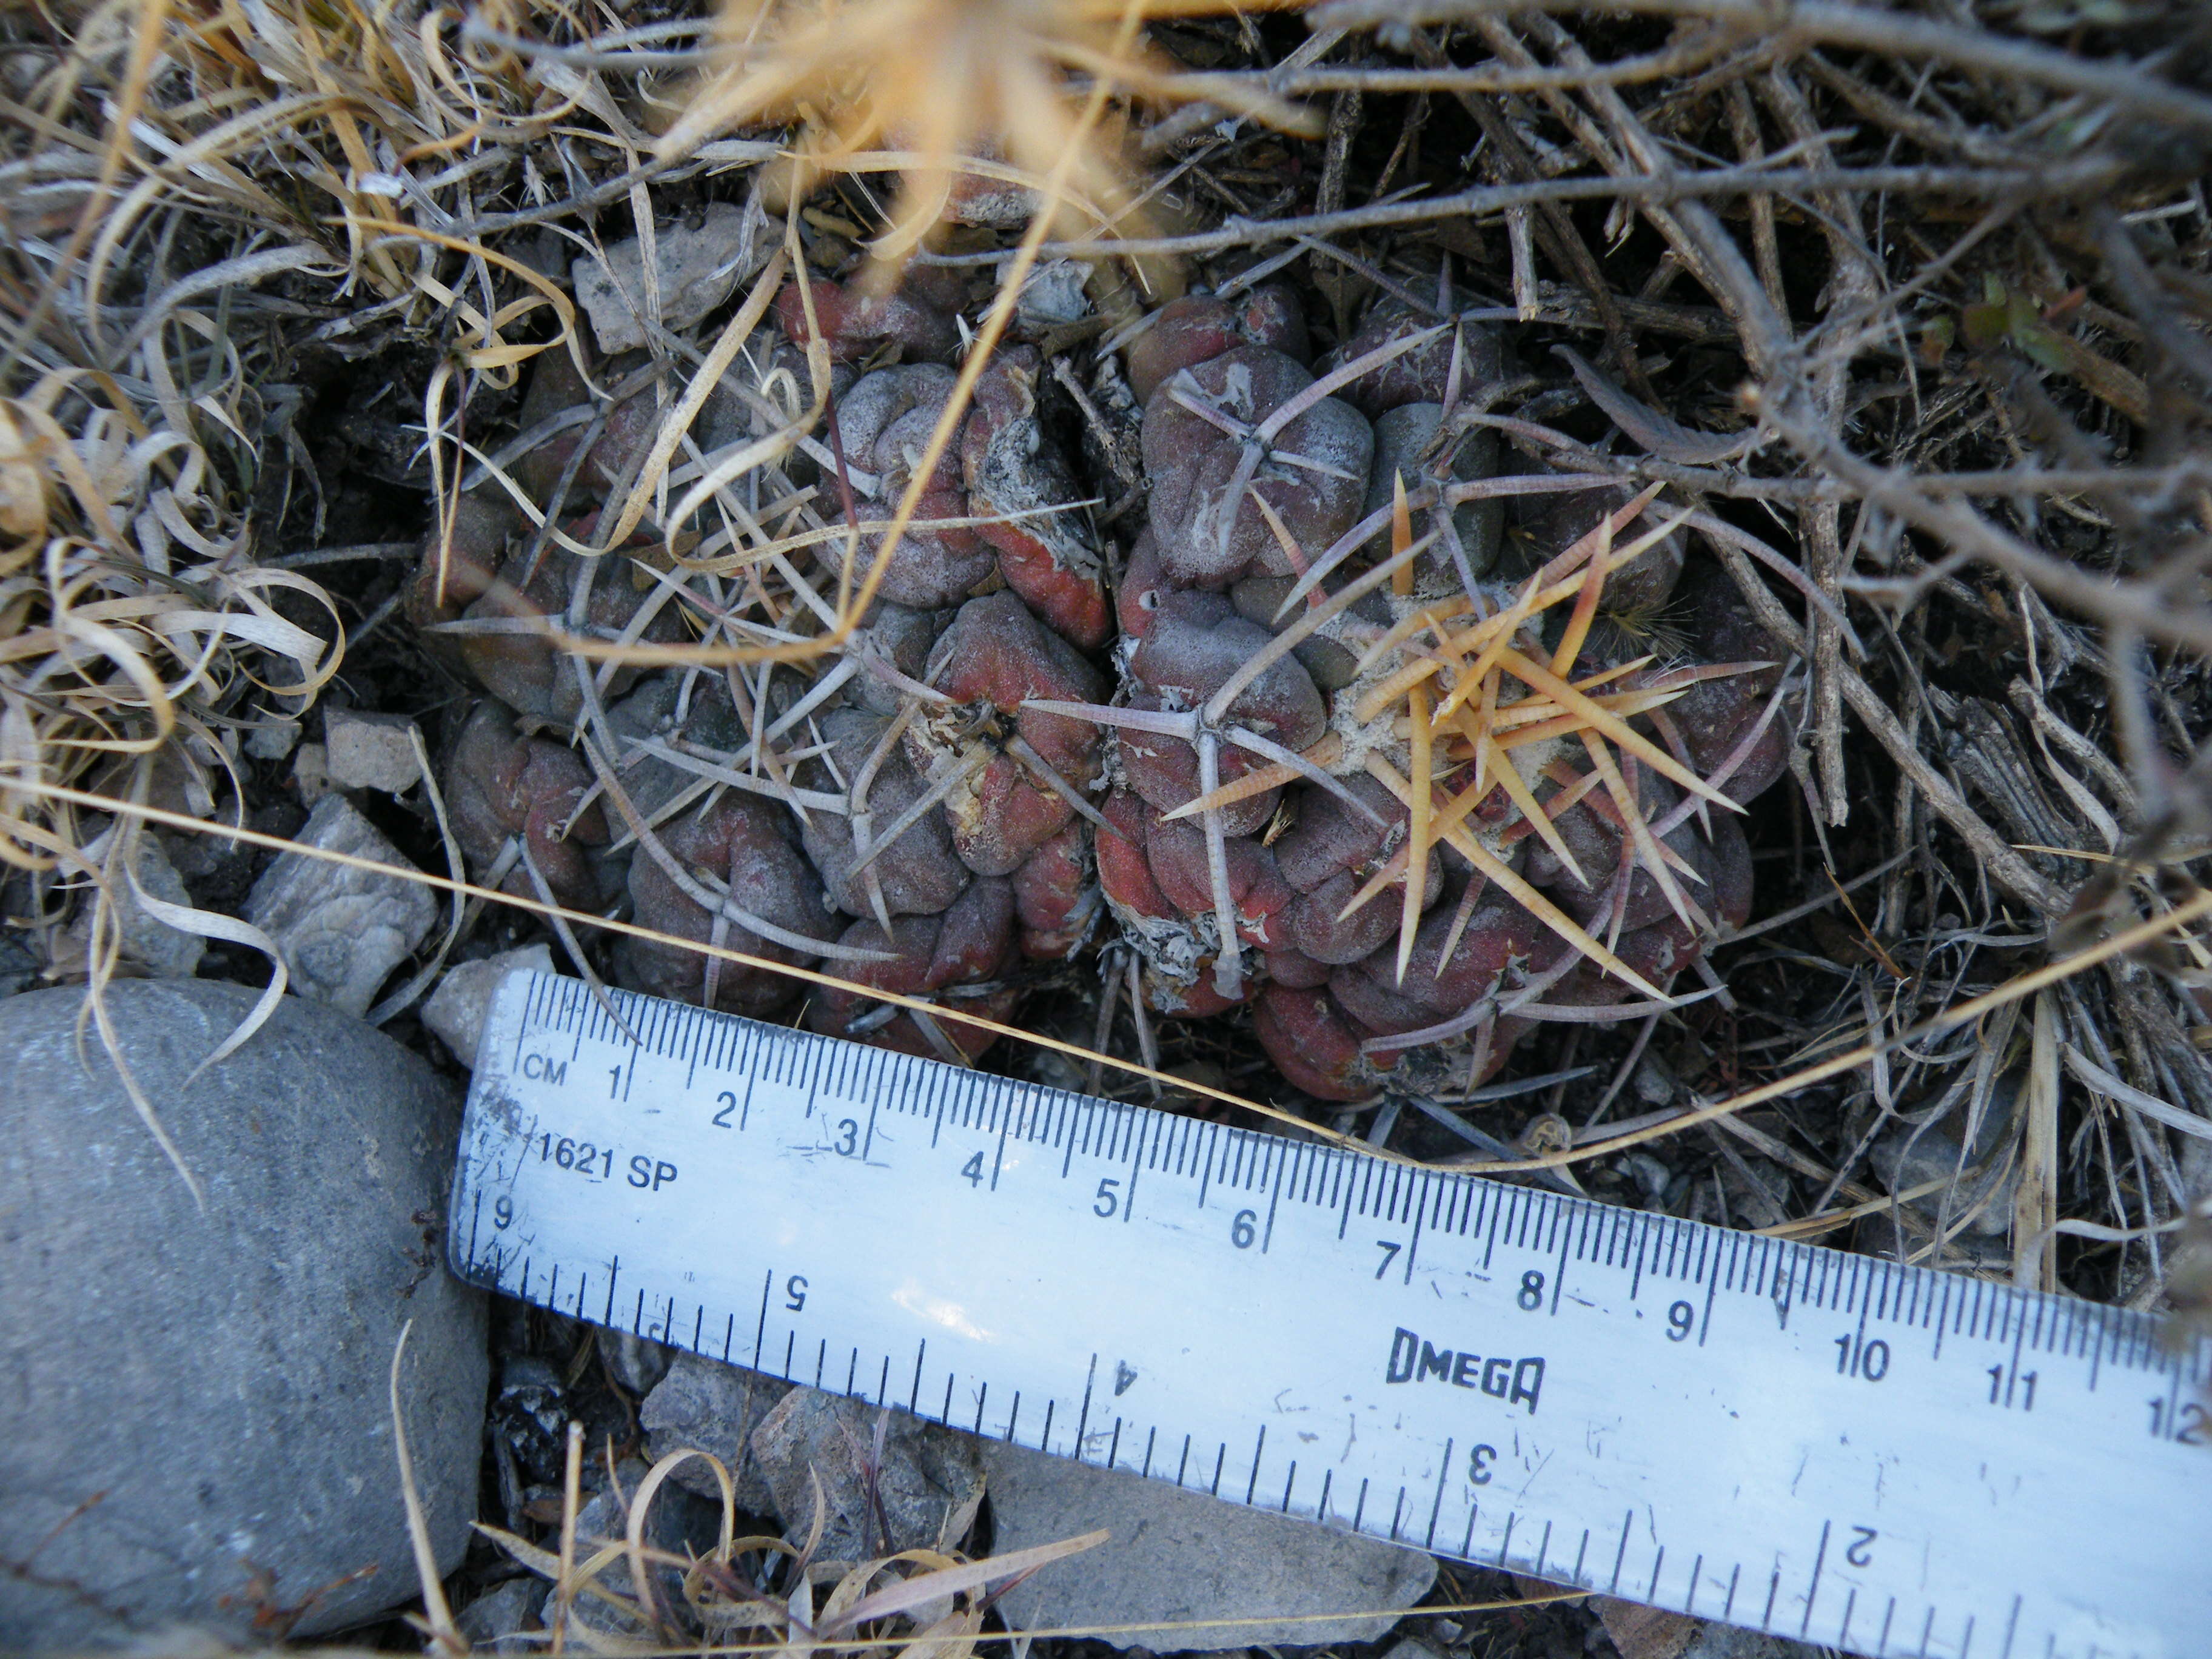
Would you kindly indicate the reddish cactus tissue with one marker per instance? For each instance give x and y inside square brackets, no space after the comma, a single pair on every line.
[500,785]
[1289,861]
[743,843]
[1015,473]
[957,957]
[994,658]
[970,835]
[1210,462]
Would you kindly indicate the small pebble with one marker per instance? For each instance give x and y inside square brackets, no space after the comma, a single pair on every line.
[678,1521]
[503,1619]
[342,930]
[272,739]
[638,1363]
[704,1406]
[311,773]
[698,267]
[1054,294]
[928,1479]
[1907,1157]
[1180,1556]
[164,951]
[369,751]
[178,784]
[1651,1177]
[457,1010]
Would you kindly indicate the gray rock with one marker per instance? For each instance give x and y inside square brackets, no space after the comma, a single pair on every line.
[1756,1188]
[676,1520]
[166,952]
[1642,1632]
[19,963]
[1054,294]
[457,1010]
[195,1394]
[1974,1202]
[711,1407]
[1180,1556]
[926,1477]
[699,266]
[369,751]
[1652,1178]
[272,739]
[637,1362]
[1909,1158]
[311,773]
[342,930]
[179,782]
[533,1384]
[498,1620]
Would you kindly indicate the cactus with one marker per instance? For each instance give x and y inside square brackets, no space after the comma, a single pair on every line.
[1339,747]
[1298,656]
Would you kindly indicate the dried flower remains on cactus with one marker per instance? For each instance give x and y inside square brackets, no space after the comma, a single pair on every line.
[971,99]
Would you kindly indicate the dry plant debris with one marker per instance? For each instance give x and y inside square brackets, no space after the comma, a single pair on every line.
[1293,540]
[762,1594]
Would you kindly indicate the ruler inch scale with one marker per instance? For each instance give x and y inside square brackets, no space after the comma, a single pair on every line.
[1879,1459]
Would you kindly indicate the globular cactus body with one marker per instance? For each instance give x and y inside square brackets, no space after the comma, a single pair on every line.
[1217,447]
[960,953]
[721,867]
[1337,748]
[1570,855]
[505,793]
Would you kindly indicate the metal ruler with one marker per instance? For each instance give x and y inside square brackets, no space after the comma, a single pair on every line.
[1823,1446]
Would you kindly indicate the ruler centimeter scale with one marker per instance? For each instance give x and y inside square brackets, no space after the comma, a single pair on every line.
[1835,1449]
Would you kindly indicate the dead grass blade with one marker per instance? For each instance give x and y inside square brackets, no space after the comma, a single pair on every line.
[439,1616]
[2035,1200]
